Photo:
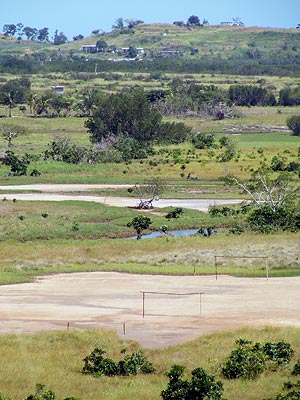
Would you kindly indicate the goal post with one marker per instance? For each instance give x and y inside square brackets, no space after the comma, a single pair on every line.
[172,294]
[265,258]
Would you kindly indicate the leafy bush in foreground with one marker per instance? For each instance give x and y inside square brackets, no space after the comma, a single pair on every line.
[202,386]
[98,365]
[249,361]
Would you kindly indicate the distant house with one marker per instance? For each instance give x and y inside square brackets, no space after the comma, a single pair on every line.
[58,89]
[89,48]
[226,23]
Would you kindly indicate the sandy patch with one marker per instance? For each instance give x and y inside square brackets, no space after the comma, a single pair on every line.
[114,301]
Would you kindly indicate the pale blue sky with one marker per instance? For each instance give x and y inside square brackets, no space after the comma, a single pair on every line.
[75,17]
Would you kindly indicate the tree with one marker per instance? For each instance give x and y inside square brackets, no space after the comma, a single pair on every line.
[101,45]
[13,92]
[59,38]
[293,124]
[9,29]
[19,31]
[132,52]
[59,103]
[275,200]
[129,113]
[78,37]
[119,24]
[148,192]
[140,223]
[30,33]
[193,20]
[9,132]
[43,35]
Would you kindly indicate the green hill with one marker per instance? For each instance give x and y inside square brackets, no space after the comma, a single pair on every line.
[249,50]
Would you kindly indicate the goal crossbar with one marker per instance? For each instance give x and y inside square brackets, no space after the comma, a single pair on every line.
[172,294]
[249,257]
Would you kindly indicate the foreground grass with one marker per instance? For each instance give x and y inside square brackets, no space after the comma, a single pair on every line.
[55,359]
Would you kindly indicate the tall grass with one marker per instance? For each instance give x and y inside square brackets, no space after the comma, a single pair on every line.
[55,359]
[180,256]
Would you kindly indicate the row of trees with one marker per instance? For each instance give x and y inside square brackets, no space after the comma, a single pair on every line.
[179,98]
[34,34]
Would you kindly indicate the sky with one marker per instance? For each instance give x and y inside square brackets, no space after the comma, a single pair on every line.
[73,17]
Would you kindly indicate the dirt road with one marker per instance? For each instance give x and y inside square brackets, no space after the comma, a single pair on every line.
[114,301]
[51,192]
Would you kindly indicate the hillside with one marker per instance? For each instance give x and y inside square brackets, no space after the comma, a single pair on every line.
[250,50]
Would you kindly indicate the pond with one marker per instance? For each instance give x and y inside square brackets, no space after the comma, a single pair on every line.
[180,232]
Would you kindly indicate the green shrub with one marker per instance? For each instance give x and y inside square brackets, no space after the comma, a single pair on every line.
[249,361]
[98,365]
[245,362]
[279,353]
[296,369]
[202,386]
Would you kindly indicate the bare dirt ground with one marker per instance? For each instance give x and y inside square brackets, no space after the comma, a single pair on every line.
[108,300]
[56,192]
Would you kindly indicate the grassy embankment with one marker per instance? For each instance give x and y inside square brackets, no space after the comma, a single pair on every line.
[55,359]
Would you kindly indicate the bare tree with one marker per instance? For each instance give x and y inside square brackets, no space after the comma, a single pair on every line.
[265,189]
[149,191]
[9,132]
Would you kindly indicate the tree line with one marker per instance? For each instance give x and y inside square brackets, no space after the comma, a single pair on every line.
[178,98]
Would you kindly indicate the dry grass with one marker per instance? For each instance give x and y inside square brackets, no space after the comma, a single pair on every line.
[55,359]
[172,255]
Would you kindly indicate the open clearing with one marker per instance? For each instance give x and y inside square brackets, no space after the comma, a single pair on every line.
[114,301]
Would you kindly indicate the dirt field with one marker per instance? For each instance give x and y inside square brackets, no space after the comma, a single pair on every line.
[114,301]
[63,192]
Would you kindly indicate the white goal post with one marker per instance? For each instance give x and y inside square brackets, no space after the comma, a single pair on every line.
[173,294]
[242,257]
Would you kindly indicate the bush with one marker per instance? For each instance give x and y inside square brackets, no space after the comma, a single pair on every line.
[202,386]
[245,362]
[18,165]
[296,369]
[293,124]
[249,361]
[98,365]
[266,220]
[203,140]
[279,353]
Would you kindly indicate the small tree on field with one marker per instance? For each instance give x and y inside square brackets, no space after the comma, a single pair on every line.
[293,124]
[9,132]
[148,192]
[140,223]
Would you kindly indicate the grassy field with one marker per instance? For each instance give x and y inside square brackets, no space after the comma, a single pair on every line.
[55,360]
[38,238]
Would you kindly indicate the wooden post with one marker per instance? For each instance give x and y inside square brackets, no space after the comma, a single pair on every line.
[216,268]
[124,328]
[143,304]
